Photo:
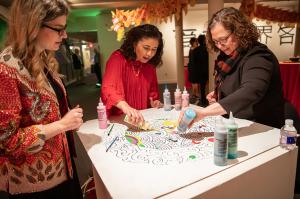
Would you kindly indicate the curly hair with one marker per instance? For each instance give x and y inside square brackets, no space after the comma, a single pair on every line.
[25,22]
[134,35]
[238,24]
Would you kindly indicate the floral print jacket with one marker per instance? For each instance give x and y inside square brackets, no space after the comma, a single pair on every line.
[28,163]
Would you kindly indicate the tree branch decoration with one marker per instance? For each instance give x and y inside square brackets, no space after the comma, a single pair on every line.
[270,14]
[148,13]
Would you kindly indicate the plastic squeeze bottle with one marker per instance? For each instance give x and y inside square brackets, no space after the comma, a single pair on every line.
[178,99]
[185,98]
[102,117]
[220,143]
[187,118]
[167,99]
[232,137]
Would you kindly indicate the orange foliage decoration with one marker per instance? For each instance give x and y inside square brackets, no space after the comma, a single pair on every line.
[270,14]
[148,13]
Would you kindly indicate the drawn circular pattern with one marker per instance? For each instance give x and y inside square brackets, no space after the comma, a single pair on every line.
[162,146]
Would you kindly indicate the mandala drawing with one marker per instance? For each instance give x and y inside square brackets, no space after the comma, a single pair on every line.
[163,145]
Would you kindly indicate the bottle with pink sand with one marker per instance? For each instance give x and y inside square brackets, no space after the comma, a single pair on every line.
[185,98]
[102,117]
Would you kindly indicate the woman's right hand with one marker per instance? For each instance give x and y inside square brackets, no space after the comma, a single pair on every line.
[210,97]
[199,116]
[72,120]
[134,116]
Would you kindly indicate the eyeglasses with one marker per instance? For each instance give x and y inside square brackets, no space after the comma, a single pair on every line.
[222,41]
[60,31]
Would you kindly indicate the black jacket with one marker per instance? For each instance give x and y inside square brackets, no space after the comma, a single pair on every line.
[253,89]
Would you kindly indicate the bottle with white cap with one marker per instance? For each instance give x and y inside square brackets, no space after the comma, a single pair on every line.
[288,135]
[220,143]
[167,99]
[102,118]
[178,99]
[232,137]
[185,98]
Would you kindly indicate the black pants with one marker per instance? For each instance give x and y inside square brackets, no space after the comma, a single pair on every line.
[98,73]
[61,191]
[204,101]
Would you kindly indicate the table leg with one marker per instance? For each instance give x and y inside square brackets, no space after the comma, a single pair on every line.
[101,191]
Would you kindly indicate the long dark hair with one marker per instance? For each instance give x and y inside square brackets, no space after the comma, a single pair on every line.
[134,35]
[234,21]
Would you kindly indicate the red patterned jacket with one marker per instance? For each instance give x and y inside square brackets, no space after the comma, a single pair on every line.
[27,162]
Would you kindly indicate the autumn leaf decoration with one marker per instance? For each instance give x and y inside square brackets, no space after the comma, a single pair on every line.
[153,13]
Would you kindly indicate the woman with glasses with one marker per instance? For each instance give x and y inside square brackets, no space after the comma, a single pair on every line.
[130,82]
[247,77]
[35,159]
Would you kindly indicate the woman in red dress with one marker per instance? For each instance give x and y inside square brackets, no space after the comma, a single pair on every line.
[130,82]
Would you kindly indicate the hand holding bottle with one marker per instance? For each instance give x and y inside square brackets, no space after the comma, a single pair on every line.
[134,116]
[72,120]
[199,116]
[186,119]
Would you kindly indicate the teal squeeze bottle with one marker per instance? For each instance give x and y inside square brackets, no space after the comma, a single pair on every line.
[232,137]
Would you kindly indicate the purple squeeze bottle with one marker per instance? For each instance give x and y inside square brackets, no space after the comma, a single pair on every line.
[102,118]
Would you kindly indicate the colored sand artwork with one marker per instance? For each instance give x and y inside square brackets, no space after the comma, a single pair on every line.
[162,145]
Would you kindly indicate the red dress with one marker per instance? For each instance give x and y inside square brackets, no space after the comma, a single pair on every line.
[130,81]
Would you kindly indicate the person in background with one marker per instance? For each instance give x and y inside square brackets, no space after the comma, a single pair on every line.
[64,58]
[130,82]
[192,75]
[199,68]
[97,67]
[78,66]
[35,121]
[247,76]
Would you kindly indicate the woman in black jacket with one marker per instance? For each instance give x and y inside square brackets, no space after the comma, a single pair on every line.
[247,76]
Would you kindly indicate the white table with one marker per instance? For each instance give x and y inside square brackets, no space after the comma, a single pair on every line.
[263,169]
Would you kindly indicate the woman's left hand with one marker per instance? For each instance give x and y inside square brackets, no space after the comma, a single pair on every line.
[155,103]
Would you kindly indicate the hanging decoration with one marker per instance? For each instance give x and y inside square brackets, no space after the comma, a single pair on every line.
[148,13]
[270,14]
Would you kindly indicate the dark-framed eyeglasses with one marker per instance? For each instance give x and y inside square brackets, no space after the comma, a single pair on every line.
[223,40]
[60,31]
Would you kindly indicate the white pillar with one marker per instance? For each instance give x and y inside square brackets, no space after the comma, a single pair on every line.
[213,6]
[179,51]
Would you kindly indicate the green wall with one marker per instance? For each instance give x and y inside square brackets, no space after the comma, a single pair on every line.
[3,29]
[107,40]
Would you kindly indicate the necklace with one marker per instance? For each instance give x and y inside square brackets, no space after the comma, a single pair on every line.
[136,71]
[136,68]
